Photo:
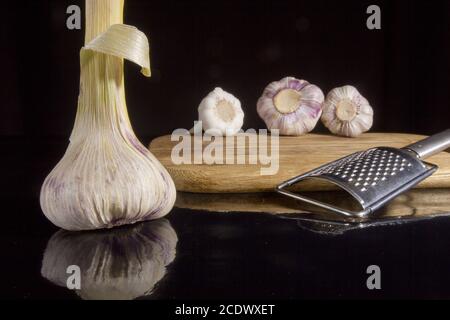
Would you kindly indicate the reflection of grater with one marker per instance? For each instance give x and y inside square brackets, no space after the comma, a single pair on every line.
[375,176]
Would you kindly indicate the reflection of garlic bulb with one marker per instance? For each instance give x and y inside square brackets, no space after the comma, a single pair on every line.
[346,112]
[221,113]
[106,177]
[290,105]
[114,264]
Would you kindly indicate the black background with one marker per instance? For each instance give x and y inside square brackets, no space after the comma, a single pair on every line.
[402,69]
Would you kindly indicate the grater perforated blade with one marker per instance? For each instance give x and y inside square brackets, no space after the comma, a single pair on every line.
[375,176]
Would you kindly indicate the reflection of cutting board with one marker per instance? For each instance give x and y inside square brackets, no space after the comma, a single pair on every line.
[414,203]
[296,155]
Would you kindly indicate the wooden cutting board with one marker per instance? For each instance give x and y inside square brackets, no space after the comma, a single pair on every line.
[296,155]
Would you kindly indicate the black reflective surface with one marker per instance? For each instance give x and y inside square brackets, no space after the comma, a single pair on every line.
[193,254]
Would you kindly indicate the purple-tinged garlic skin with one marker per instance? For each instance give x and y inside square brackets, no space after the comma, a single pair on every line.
[291,105]
[106,178]
[346,112]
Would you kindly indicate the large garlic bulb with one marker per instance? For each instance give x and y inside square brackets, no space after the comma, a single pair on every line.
[221,113]
[346,112]
[119,264]
[106,177]
[291,105]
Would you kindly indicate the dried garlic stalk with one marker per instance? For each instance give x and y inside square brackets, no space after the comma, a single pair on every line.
[106,177]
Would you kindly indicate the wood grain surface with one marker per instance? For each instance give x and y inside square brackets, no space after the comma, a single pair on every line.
[296,155]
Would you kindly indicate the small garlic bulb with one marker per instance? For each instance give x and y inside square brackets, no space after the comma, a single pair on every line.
[346,112]
[221,113]
[291,105]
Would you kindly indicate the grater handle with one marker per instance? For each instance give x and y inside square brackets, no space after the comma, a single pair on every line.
[431,145]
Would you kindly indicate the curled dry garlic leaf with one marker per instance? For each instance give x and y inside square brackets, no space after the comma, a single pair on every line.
[106,177]
[291,105]
[221,113]
[123,263]
[346,112]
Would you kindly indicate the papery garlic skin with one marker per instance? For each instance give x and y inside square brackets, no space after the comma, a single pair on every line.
[346,112]
[291,105]
[106,178]
[221,113]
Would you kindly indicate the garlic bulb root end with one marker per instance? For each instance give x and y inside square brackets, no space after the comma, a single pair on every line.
[346,112]
[221,113]
[291,105]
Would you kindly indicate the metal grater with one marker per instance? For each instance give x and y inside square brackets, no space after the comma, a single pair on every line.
[375,176]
